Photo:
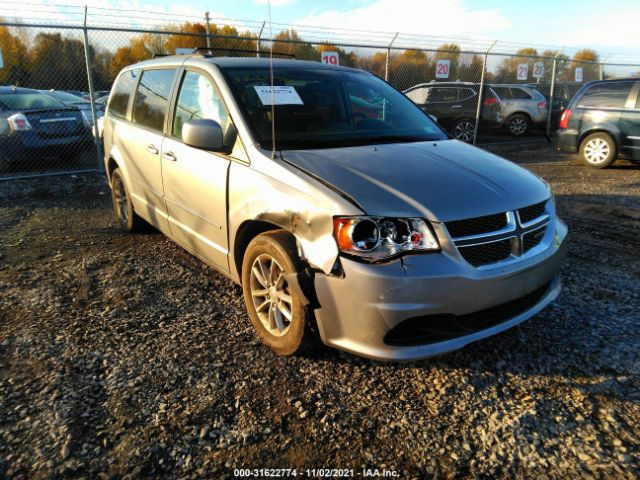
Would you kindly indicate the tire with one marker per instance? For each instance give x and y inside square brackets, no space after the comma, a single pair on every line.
[598,150]
[518,124]
[463,130]
[269,298]
[127,218]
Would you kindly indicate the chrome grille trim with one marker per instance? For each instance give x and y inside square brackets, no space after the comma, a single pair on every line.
[515,231]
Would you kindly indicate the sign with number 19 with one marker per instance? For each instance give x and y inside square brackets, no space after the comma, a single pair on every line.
[329,57]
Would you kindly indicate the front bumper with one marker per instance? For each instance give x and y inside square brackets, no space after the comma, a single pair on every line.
[358,310]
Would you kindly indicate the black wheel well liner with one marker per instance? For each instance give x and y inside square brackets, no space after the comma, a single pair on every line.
[247,231]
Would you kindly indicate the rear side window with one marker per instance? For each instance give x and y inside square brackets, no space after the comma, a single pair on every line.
[418,95]
[519,94]
[122,91]
[606,95]
[152,98]
[466,94]
[502,92]
[443,95]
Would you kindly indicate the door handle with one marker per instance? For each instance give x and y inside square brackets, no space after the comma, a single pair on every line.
[456,106]
[169,156]
[151,148]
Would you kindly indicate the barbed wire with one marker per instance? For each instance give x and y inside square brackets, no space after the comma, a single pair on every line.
[154,20]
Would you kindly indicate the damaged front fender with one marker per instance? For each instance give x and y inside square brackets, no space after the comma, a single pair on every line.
[274,192]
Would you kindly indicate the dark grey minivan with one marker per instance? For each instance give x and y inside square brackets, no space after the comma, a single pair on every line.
[602,122]
[343,210]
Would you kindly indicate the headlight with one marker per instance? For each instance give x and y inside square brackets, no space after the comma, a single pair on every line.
[380,238]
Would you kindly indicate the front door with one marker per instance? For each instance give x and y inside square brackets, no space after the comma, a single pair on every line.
[195,181]
[141,143]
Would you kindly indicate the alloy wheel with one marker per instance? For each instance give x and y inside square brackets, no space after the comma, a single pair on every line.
[120,198]
[464,131]
[517,126]
[271,295]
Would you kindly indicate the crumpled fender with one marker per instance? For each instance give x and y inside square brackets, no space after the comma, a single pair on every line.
[275,192]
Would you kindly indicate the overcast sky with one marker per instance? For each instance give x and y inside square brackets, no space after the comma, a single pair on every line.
[571,23]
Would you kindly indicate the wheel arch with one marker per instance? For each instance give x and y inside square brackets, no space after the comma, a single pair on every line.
[524,113]
[246,232]
[615,136]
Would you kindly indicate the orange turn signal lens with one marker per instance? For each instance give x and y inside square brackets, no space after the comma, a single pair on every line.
[342,229]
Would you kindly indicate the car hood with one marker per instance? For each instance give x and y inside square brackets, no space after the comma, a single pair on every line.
[441,181]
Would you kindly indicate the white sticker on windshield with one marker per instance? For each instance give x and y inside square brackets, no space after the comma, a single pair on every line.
[278,95]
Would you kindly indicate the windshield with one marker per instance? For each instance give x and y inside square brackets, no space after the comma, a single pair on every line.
[322,108]
[28,101]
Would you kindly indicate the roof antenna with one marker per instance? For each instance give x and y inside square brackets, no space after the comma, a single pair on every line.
[273,110]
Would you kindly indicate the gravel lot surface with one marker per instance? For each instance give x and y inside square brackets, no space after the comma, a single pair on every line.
[124,357]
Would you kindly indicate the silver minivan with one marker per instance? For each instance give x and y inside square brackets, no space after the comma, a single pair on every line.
[346,213]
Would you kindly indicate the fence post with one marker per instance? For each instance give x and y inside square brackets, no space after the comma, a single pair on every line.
[386,65]
[92,99]
[481,92]
[258,40]
[208,26]
[551,92]
[601,71]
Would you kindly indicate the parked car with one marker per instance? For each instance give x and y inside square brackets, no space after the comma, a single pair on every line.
[455,105]
[602,122]
[77,93]
[373,231]
[83,104]
[563,93]
[34,126]
[521,108]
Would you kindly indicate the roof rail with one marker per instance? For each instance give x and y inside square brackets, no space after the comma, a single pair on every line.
[158,54]
[209,50]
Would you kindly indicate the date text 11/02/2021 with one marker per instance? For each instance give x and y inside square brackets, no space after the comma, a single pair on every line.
[315,473]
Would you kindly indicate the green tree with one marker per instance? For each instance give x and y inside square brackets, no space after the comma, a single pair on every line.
[451,52]
[584,59]
[58,62]
[508,70]
[469,68]
[15,58]
[410,68]
[290,42]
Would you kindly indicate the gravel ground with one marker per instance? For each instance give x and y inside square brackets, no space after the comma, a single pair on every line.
[123,356]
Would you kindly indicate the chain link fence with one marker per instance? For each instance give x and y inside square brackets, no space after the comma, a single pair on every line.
[55,80]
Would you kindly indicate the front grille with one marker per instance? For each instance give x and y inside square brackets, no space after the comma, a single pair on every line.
[531,212]
[532,239]
[437,328]
[477,225]
[486,253]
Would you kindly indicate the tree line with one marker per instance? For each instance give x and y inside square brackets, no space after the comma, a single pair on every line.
[55,61]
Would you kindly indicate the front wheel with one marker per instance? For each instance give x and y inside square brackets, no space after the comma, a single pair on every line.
[463,130]
[598,150]
[275,307]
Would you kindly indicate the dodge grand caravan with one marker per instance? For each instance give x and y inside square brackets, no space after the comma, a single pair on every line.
[344,211]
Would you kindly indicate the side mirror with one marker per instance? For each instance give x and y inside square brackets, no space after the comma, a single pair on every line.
[204,134]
